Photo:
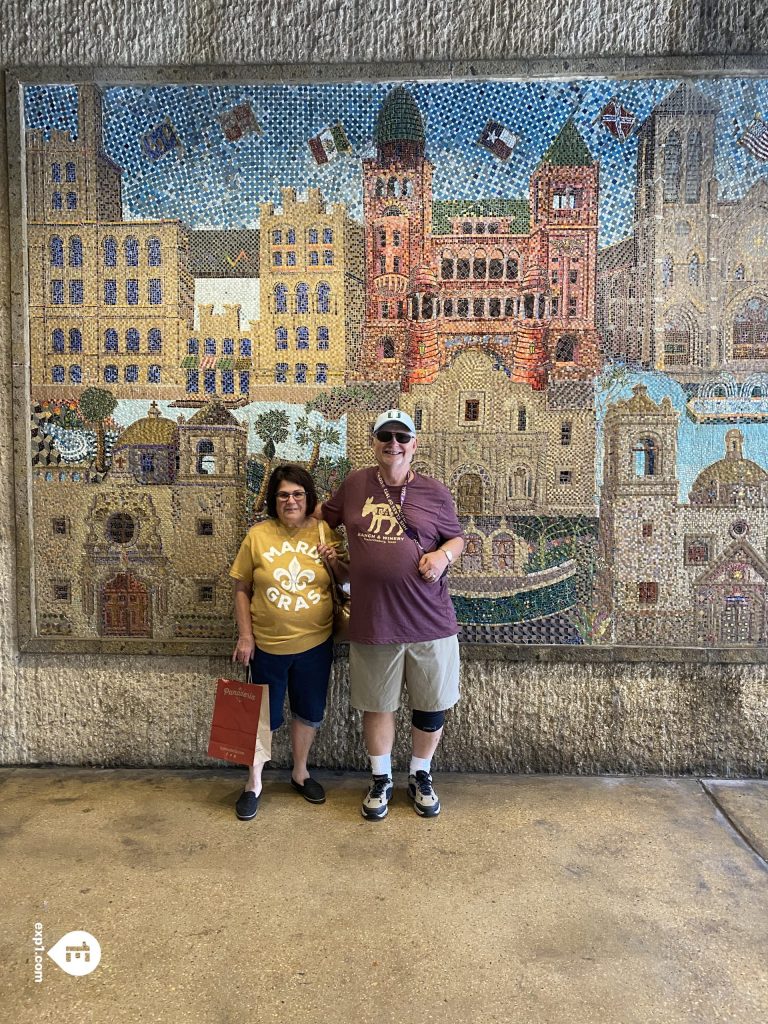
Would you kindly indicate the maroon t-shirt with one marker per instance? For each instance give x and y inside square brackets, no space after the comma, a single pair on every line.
[391,603]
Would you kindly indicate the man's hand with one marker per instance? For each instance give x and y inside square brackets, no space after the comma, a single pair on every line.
[432,565]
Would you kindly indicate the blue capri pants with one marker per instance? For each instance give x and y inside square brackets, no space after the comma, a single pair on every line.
[305,677]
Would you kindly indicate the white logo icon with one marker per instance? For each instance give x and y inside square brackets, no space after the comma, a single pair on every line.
[77,953]
[294,578]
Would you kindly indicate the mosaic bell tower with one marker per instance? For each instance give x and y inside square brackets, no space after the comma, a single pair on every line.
[397,207]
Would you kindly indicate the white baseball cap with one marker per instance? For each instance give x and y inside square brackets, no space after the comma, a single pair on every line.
[397,418]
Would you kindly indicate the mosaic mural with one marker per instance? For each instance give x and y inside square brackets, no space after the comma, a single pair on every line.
[564,282]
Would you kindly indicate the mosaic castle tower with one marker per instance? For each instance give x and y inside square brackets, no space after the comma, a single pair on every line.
[507,276]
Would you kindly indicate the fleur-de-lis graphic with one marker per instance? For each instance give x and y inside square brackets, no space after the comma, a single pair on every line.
[294,578]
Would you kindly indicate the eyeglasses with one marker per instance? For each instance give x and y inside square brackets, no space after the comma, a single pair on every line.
[386,435]
[287,495]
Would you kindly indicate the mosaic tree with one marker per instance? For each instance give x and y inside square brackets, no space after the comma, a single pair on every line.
[273,427]
[316,434]
[96,405]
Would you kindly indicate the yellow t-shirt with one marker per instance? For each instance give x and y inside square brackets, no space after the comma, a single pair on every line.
[291,605]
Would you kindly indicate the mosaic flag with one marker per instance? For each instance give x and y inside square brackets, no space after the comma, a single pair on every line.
[755,138]
[330,143]
[239,121]
[160,140]
[619,121]
[498,140]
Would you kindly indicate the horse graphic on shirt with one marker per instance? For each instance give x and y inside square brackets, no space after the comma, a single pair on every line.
[380,513]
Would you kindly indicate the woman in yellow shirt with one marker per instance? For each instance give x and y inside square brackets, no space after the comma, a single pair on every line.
[284,613]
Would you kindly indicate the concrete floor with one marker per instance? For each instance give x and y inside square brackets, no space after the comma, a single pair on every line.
[538,900]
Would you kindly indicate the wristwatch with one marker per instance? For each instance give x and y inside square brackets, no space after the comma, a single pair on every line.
[448,555]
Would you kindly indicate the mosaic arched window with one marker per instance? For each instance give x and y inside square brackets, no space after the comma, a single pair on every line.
[447,264]
[671,172]
[75,340]
[693,168]
[110,252]
[131,340]
[302,298]
[110,340]
[565,349]
[57,252]
[76,251]
[281,298]
[750,330]
[677,339]
[694,268]
[131,247]
[667,271]
[496,265]
[154,254]
[155,340]
[323,298]
[57,340]
[387,348]
[645,457]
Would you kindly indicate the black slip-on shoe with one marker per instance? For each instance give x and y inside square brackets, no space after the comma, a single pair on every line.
[311,790]
[247,805]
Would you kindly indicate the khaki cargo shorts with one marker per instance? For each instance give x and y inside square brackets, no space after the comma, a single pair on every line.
[429,671]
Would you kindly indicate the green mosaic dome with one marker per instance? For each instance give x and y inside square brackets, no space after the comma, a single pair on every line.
[399,119]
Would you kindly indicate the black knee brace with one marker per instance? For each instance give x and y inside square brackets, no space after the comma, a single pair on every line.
[428,721]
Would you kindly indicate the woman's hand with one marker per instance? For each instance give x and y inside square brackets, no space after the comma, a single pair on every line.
[329,555]
[243,652]
[432,566]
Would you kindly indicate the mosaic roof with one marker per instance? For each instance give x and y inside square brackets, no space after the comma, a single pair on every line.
[213,415]
[568,149]
[517,211]
[399,119]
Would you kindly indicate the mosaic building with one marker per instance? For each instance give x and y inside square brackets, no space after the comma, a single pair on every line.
[688,294]
[110,301]
[311,295]
[514,277]
[681,574]
[503,447]
[144,550]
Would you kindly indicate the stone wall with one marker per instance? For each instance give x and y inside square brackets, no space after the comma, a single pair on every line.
[515,715]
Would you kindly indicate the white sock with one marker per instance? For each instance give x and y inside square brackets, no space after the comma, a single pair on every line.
[381,764]
[420,764]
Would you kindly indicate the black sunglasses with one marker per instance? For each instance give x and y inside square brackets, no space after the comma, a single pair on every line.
[386,435]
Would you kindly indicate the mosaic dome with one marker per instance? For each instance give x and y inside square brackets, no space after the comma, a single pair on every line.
[153,429]
[732,471]
[399,119]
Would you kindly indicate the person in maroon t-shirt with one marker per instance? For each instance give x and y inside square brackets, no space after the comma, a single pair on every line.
[403,534]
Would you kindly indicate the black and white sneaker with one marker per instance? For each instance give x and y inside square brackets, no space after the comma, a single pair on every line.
[420,790]
[377,798]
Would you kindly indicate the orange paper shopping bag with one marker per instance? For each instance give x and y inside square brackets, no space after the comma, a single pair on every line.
[240,727]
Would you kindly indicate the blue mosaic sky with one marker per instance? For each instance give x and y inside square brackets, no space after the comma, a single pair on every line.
[213,183]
